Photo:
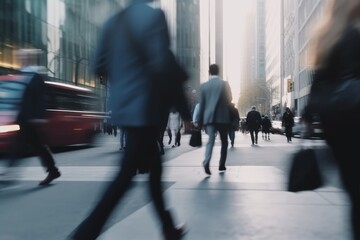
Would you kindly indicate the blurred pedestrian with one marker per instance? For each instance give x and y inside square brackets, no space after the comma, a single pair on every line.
[243,127]
[288,123]
[253,123]
[174,124]
[336,54]
[266,127]
[235,123]
[145,81]
[32,116]
[214,115]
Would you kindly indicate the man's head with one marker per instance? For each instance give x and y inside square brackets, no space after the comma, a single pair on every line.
[253,108]
[214,69]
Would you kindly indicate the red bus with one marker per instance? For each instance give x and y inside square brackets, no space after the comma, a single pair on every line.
[72,112]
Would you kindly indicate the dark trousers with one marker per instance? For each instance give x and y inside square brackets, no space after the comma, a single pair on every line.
[211,130]
[254,132]
[141,145]
[288,133]
[31,136]
[178,138]
[346,154]
[232,136]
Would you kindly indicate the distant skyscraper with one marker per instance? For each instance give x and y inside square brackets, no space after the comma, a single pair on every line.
[260,42]
[188,39]
[273,56]
[219,34]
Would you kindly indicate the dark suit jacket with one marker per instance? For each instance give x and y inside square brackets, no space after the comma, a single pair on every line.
[145,79]
[214,102]
[253,120]
[33,100]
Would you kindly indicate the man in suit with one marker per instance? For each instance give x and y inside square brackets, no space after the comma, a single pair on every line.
[145,81]
[214,115]
[253,121]
[32,117]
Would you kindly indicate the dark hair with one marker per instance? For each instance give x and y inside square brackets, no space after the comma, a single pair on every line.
[214,69]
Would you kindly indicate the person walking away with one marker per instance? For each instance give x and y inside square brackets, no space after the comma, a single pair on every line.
[32,116]
[243,126]
[266,127]
[214,115]
[288,123]
[253,122]
[174,124]
[145,82]
[235,123]
[336,53]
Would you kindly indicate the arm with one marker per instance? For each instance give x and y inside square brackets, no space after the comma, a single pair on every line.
[100,60]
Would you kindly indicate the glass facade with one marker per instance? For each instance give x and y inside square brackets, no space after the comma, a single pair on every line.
[65,30]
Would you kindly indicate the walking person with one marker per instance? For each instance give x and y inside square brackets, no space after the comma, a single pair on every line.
[235,123]
[214,115]
[174,125]
[288,123]
[253,123]
[243,126]
[140,101]
[336,53]
[32,117]
[266,127]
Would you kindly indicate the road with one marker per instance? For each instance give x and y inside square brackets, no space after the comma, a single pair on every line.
[32,212]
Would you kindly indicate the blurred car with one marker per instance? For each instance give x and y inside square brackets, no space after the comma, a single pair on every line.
[316,128]
[277,127]
[298,128]
[72,114]
[314,131]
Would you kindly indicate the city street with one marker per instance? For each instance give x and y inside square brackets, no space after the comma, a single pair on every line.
[249,201]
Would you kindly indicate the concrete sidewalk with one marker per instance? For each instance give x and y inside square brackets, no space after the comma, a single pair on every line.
[245,202]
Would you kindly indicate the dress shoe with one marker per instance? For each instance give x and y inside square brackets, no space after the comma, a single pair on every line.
[50,177]
[222,168]
[207,169]
[174,234]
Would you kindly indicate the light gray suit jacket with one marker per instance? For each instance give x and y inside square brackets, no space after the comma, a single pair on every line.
[214,102]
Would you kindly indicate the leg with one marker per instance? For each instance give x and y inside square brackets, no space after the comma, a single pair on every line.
[232,137]
[45,154]
[210,130]
[91,227]
[256,135]
[178,137]
[223,131]
[173,133]
[350,179]
[155,181]
[252,136]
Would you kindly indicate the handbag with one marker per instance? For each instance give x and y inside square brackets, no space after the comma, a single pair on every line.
[304,172]
[195,138]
